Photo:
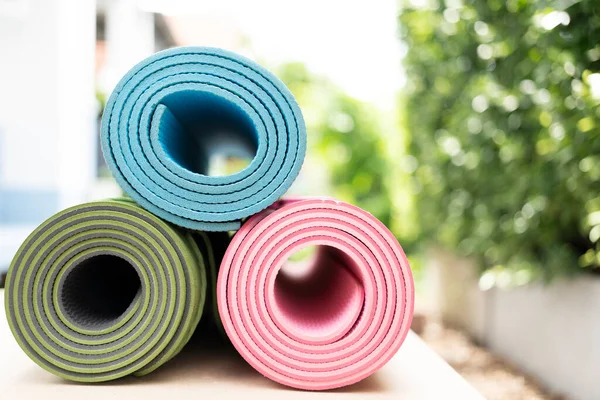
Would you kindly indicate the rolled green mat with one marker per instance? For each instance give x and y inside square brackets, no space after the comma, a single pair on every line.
[213,245]
[105,289]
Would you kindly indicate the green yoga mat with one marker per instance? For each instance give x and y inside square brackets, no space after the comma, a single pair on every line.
[213,245]
[107,289]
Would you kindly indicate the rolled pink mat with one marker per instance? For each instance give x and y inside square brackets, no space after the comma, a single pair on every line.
[323,324]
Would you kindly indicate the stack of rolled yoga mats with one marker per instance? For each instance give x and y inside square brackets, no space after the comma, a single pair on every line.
[117,287]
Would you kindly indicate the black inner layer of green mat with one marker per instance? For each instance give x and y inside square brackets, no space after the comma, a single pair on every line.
[99,290]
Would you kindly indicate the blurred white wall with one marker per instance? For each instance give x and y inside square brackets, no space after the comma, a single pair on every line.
[47,110]
[77,106]
[129,39]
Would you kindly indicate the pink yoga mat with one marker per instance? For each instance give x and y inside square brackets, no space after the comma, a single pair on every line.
[326,323]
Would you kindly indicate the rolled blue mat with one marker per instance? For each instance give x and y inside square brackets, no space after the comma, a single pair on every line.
[170,115]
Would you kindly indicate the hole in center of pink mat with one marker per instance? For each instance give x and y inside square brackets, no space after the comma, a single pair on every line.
[317,297]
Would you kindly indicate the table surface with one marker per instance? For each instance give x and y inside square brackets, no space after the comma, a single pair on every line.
[209,372]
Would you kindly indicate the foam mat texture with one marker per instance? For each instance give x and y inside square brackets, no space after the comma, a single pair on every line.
[317,339]
[105,289]
[153,127]
[213,246]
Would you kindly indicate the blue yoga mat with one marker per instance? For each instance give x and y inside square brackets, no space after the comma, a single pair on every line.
[174,111]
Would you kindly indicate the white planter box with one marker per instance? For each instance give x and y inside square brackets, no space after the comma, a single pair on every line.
[551,332]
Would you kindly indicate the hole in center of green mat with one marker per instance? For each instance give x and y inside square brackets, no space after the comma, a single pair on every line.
[99,290]
[205,133]
[317,295]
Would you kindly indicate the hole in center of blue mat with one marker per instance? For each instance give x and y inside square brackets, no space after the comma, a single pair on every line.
[205,133]
[98,290]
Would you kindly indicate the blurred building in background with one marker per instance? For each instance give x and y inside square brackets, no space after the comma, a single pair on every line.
[47,112]
[125,35]
[59,61]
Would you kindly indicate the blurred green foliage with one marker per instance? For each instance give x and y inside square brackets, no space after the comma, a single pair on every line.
[357,147]
[503,106]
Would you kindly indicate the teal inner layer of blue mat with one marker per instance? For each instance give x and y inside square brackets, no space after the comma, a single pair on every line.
[174,111]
